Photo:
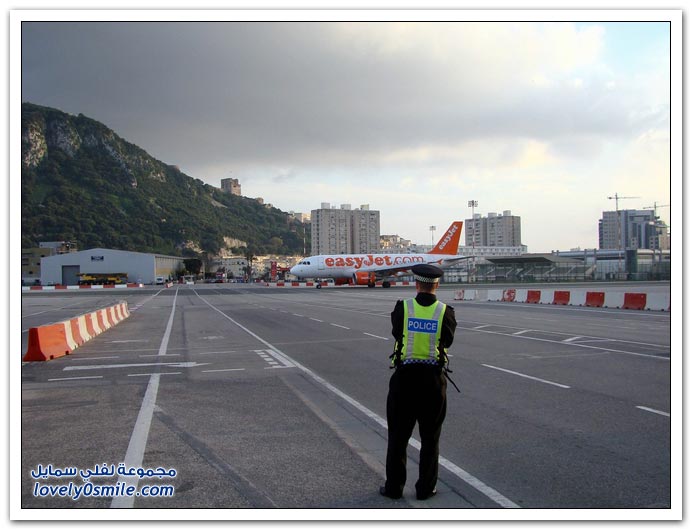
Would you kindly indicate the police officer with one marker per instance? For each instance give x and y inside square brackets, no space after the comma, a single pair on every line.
[423,328]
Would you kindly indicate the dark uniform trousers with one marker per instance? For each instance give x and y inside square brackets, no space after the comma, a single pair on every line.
[417,393]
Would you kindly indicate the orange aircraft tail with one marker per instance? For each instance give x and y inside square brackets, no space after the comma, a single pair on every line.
[450,240]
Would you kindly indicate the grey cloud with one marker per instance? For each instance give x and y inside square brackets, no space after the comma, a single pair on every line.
[282,93]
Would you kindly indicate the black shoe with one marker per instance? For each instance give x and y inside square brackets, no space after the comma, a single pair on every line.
[424,497]
[384,492]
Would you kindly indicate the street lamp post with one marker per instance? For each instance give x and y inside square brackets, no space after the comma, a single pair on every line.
[472,205]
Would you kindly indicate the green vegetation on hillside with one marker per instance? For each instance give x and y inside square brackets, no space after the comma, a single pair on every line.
[83,183]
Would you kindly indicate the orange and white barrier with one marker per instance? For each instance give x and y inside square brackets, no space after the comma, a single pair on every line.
[573,297]
[62,338]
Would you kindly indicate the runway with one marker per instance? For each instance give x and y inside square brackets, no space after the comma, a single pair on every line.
[275,399]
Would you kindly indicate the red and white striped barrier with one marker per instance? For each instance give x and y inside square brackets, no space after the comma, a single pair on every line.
[62,338]
[297,284]
[573,297]
[77,287]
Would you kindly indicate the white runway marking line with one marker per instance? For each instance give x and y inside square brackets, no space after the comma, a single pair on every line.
[281,358]
[76,378]
[587,338]
[316,319]
[95,358]
[183,364]
[138,441]
[577,344]
[376,336]
[486,490]
[339,326]
[527,376]
[161,373]
[225,370]
[660,412]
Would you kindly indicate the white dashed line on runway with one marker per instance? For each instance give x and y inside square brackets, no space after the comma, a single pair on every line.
[147,375]
[76,378]
[659,412]
[527,376]
[225,370]
[376,336]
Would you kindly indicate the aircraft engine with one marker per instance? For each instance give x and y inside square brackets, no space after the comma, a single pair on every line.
[364,278]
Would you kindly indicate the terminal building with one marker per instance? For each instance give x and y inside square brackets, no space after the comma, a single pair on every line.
[571,266]
[63,269]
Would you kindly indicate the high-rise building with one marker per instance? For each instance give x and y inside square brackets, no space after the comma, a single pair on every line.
[633,229]
[345,231]
[365,230]
[231,186]
[493,231]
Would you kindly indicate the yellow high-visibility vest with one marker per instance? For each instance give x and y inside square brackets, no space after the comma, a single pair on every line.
[422,331]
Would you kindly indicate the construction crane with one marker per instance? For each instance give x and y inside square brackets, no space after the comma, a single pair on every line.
[617,200]
[655,207]
[617,213]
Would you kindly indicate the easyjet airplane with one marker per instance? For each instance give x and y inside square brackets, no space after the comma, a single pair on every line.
[366,269]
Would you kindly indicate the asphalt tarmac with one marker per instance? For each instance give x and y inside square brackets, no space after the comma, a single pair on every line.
[264,398]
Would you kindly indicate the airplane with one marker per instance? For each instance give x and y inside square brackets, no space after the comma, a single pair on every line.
[367,269]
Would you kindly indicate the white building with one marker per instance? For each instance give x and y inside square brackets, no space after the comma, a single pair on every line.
[140,268]
[395,244]
[235,266]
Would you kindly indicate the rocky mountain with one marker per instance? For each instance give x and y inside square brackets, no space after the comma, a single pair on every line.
[81,182]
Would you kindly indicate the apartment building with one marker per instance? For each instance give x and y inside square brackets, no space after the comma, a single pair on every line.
[494,230]
[345,230]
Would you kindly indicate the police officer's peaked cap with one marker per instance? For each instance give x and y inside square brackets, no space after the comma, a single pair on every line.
[427,273]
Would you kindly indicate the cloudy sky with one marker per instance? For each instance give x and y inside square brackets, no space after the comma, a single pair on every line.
[546,119]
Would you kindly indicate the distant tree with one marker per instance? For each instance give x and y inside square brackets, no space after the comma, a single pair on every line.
[193,265]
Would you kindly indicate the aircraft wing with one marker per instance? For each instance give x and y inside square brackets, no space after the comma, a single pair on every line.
[383,272]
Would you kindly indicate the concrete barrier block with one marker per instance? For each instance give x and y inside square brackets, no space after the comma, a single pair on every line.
[658,302]
[62,338]
[613,299]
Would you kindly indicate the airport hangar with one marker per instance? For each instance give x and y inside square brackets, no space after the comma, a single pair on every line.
[63,269]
